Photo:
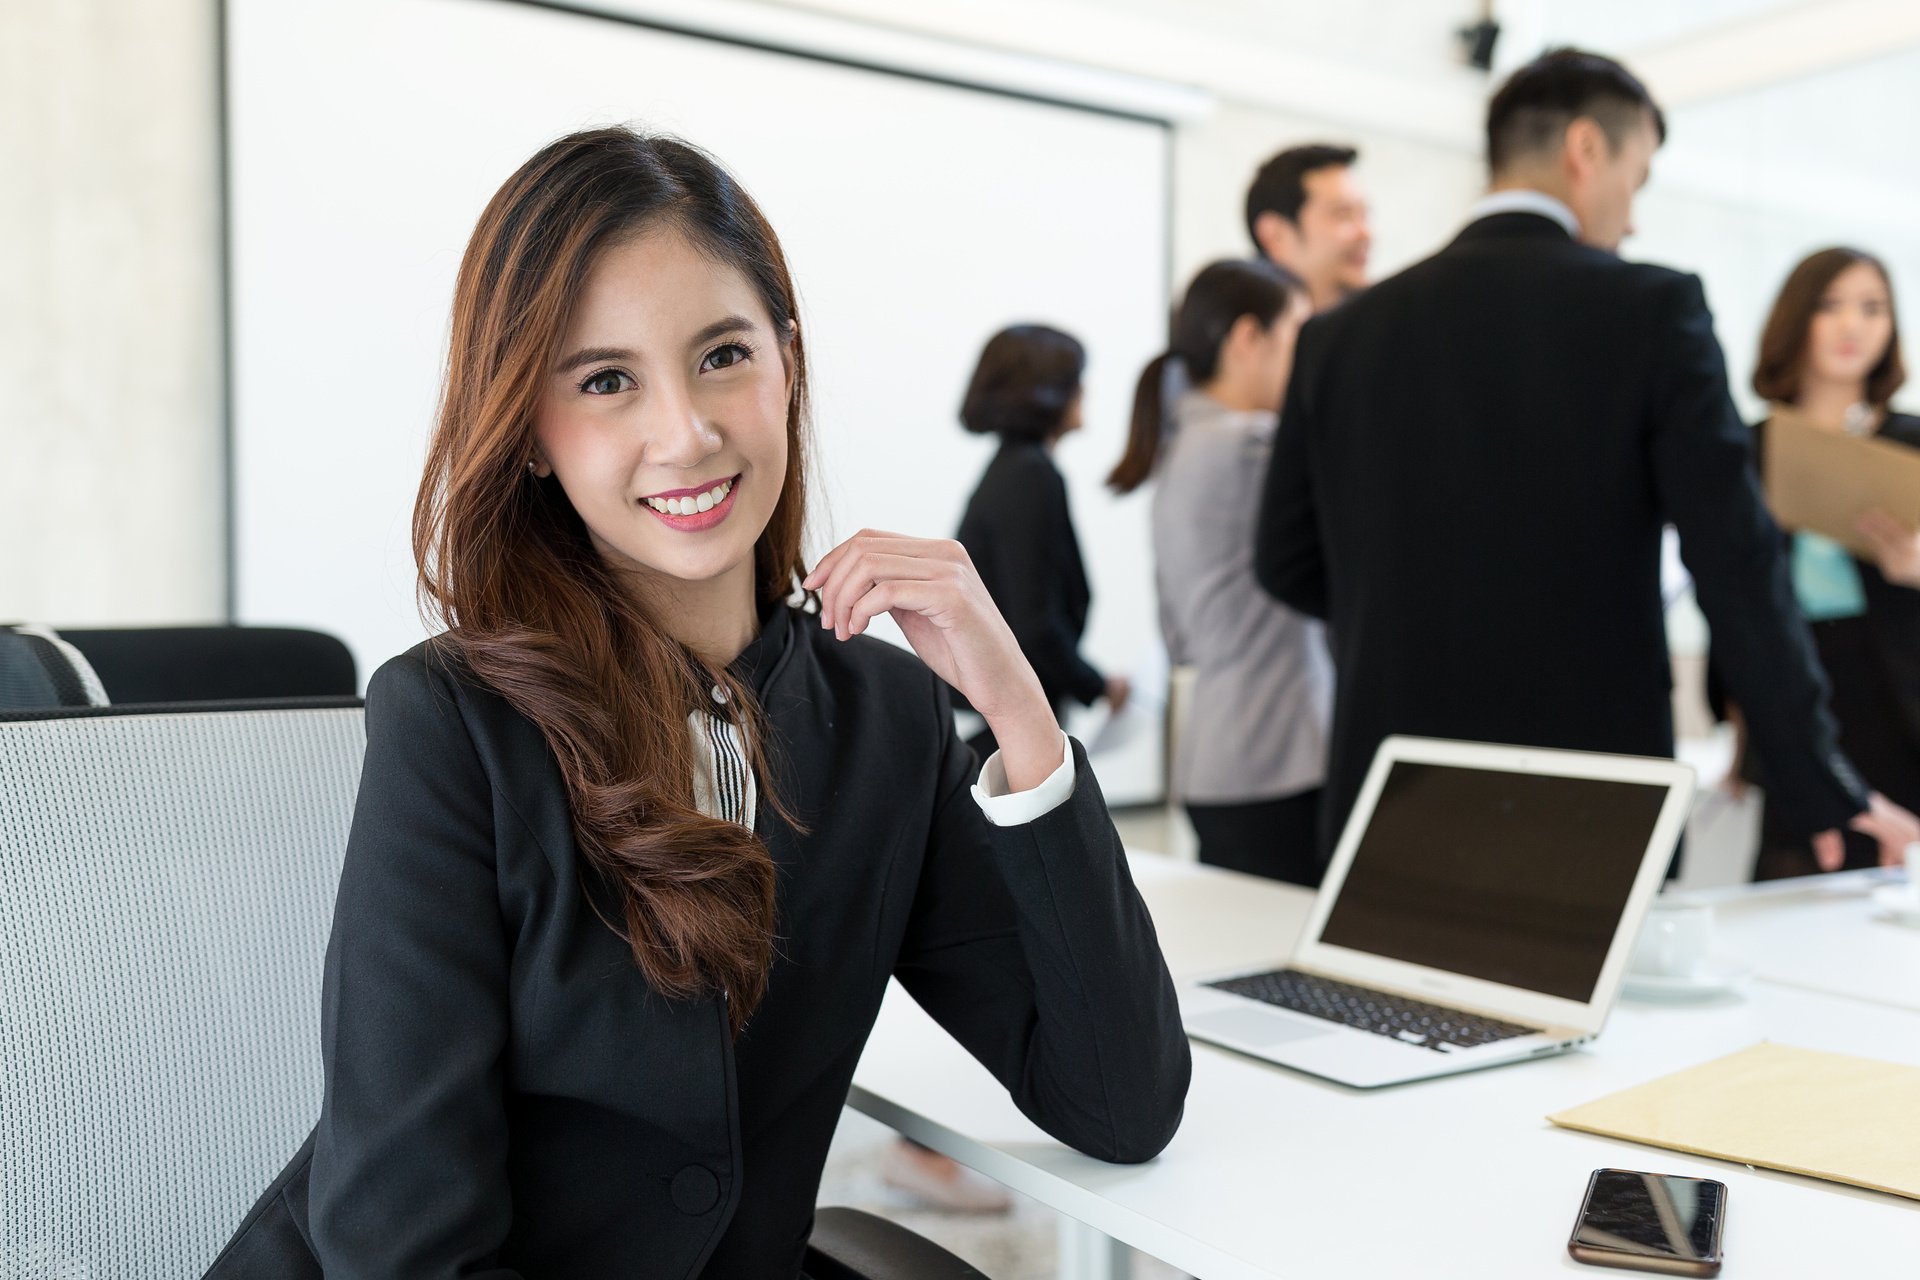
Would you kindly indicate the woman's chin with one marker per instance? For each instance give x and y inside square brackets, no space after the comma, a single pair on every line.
[701,569]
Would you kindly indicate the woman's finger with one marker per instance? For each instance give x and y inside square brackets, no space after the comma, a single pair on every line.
[921,595]
[838,565]
[866,539]
[1829,850]
[854,576]
[1883,530]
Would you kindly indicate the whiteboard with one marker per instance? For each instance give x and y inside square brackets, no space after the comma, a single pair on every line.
[365,136]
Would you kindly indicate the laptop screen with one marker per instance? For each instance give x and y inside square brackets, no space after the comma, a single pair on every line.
[1517,878]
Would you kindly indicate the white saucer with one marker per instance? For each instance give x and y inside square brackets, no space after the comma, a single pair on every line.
[1717,975]
[1897,905]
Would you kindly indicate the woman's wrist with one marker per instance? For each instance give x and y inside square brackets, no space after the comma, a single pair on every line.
[1031,743]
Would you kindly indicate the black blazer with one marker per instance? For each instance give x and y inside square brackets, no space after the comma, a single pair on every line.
[1473,467]
[506,1097]
[1018,531]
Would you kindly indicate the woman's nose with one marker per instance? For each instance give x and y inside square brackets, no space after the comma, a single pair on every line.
[675,433]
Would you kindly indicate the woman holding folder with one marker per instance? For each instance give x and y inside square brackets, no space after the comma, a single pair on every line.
[1830,358]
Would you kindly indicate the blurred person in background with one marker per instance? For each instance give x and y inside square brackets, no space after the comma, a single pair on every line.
[1307,214]
[1253,752]
[1831,353]
[1018,528]
[1476,459]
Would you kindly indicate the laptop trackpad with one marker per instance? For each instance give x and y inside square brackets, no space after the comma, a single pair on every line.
[1254,1026]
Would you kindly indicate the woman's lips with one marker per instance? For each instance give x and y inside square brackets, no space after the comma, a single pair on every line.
[692,510]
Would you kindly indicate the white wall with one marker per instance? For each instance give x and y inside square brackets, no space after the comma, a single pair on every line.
[111,491]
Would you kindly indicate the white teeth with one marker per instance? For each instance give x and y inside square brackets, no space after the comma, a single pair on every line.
[692,505]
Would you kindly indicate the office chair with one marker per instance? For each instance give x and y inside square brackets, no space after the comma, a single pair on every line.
[215,664]
[166,888]
[39,669]
[167,877]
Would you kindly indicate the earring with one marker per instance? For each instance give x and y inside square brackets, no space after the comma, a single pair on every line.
[533,468]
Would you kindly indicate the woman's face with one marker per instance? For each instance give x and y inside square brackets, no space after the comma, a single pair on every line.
[1270,351]
[1851,327]
[1074,418]
[665,412]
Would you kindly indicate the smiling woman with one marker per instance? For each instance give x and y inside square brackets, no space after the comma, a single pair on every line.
[559,1037]
[666,421]
[1830,357]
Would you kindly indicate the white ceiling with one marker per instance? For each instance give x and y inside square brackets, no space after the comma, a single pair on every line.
[1814,96]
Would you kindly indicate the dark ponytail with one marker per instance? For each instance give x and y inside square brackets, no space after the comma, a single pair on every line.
[1143,435]
[1217,298]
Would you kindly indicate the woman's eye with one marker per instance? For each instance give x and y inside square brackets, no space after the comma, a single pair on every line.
[725,357]
[606,382]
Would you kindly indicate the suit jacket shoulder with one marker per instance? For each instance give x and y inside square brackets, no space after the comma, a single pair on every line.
[1024,471]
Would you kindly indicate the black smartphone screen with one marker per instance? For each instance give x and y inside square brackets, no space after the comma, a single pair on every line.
[1653,1215]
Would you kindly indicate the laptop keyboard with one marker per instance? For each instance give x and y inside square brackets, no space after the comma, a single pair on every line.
[1425,1026]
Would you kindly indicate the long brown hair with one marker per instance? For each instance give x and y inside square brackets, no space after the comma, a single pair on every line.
[1783,343]
[506,563]
[1222,293]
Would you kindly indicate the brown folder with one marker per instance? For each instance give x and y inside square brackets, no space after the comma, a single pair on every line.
[1827,1115]
[1824,481]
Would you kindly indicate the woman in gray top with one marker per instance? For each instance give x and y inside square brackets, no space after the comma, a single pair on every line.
[1250,763]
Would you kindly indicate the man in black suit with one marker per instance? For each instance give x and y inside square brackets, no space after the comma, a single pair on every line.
[1476,459]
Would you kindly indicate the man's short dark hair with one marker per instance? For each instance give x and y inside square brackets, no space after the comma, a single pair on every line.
[1531,112]
[1281,184]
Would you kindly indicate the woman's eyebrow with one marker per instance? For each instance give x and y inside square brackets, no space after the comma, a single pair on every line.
[599,355]
[592,355]
[724,325]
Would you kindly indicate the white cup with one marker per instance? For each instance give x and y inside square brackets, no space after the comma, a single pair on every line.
[1913,877]
[1675,940]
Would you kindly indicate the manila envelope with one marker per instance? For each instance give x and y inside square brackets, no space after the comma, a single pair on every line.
[1824,481]
[1827,1115]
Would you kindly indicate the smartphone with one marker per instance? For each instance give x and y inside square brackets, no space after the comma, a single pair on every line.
[1650,1222]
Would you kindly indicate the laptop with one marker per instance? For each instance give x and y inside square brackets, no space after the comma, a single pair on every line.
[1479,910]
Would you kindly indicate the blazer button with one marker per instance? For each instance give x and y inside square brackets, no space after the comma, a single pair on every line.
[695,1190]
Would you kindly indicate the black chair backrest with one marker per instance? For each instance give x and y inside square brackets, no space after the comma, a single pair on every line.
[216,664]
[37,670]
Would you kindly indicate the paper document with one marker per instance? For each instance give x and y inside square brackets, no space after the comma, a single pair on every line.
[1828,1115]
[1824,481]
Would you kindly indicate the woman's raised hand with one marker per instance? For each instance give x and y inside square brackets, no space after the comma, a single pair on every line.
[1895,547]
[933,593]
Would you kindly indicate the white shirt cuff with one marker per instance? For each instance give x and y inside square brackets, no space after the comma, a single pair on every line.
[1004,809]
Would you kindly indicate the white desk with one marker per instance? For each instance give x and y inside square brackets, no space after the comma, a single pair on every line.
[1821,933]
[1276,1174]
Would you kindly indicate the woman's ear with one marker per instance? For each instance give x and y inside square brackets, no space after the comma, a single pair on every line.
[1247,334]
[789,355]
